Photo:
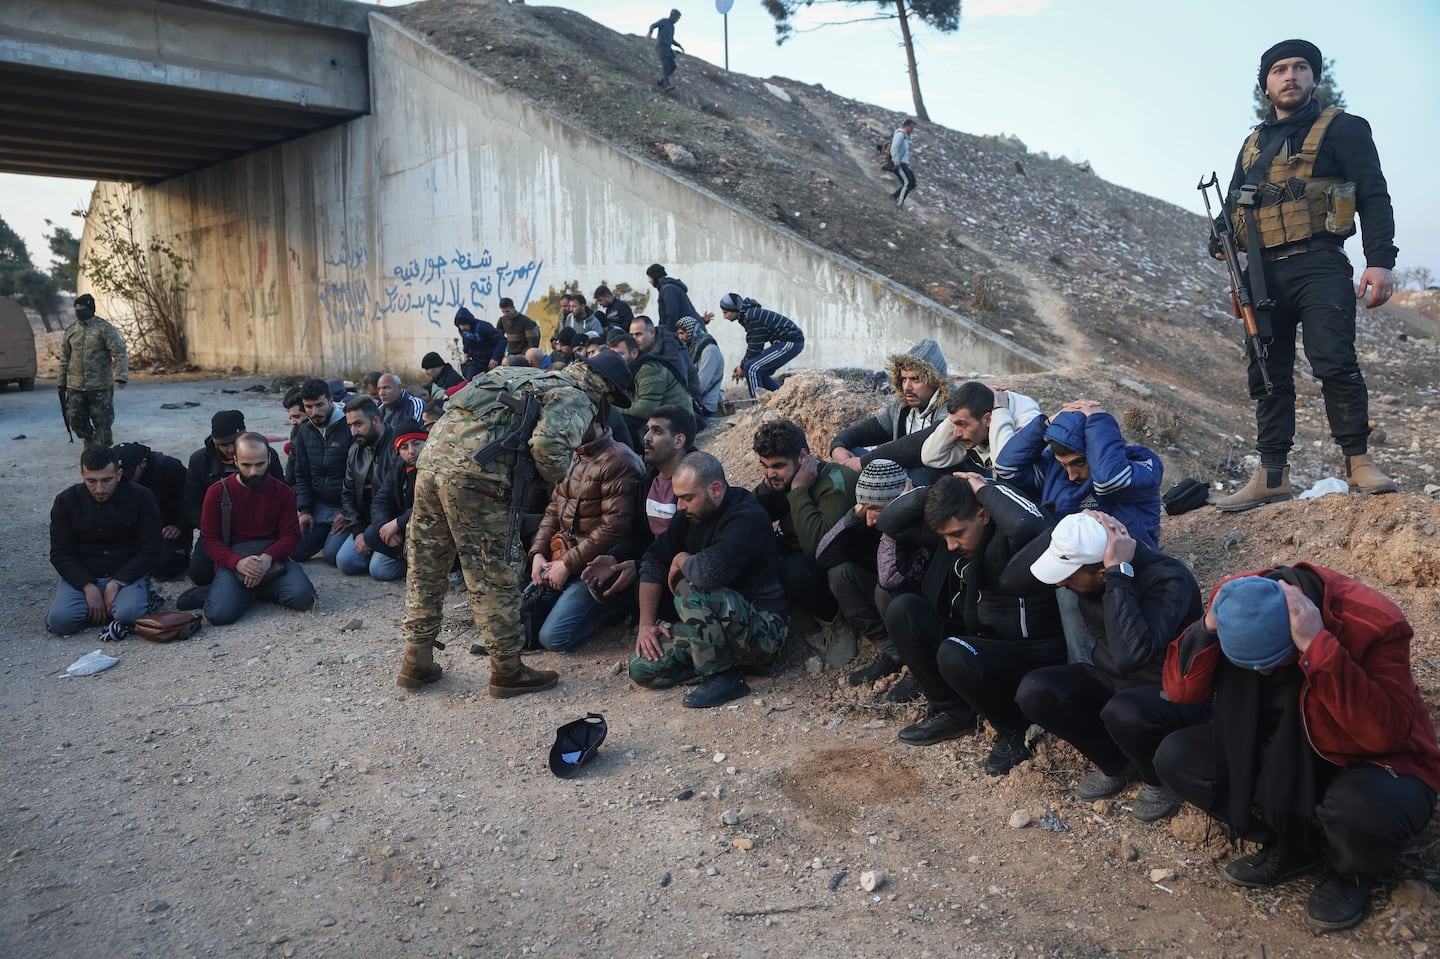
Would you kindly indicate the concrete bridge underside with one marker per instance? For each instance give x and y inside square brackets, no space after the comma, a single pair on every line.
[144,90]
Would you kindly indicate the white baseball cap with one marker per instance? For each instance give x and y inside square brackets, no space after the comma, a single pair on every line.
[1077,540]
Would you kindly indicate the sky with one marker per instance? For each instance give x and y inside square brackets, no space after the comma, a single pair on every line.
[1154,93]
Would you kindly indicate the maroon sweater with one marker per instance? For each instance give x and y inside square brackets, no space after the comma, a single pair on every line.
[267,513]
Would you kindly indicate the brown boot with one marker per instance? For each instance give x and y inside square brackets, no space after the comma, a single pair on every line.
[509,677]
[1268,484]
[1365,477]
[418,667]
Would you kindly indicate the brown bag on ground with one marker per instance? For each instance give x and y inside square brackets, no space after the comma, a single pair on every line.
[166,627]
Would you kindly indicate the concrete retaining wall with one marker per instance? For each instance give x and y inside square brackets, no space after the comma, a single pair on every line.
[352,248]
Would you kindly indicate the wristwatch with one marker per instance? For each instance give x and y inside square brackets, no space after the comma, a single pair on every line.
[1124,569]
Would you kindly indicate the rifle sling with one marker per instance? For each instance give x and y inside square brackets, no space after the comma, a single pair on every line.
[224,513]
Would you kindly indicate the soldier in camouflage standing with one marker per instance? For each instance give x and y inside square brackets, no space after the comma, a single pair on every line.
[93,362]
[718,557]
[462,507]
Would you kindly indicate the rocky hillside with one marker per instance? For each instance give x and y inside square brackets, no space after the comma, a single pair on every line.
[1109,284]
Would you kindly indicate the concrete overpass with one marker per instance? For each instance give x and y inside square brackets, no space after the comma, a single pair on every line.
[342,187]
[145,90]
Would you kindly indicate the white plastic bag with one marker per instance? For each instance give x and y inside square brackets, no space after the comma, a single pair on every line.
[1328,485]
[91,663]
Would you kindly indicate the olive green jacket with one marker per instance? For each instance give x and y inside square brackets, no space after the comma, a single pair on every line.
[92,355]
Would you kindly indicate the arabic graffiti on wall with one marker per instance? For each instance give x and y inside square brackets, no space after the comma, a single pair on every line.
[432,288]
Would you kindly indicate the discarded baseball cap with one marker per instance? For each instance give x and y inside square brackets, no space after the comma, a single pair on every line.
[576,743]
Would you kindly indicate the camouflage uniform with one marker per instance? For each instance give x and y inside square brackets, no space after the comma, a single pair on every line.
[716,629]
[463,507]
[92,360]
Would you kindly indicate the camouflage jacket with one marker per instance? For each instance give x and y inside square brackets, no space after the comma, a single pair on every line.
[92,355]
[474,416]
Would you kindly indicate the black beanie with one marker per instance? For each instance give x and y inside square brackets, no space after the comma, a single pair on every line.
[431,361]
[1286,49]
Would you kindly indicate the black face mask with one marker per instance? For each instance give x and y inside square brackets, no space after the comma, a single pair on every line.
[84,312]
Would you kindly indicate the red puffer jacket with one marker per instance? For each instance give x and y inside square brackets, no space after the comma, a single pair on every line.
[1359,700]
[593,506]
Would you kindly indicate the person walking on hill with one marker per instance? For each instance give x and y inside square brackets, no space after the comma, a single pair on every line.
[1309,173]
[663,30]
[900,156]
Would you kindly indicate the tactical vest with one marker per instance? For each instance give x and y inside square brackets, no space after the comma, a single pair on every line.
[1294,205]
[474,416]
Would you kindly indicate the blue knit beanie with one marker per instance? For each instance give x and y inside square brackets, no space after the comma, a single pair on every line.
[1253,622]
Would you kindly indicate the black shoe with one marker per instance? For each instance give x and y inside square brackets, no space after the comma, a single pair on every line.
[867,675]
[1338,902]
[906,690]
[1269,867]
[936,728]
[717,690]
[1008,751]
[1100,785]
[192,598]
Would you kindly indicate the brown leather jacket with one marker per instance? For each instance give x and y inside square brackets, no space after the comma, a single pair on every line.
[593,506]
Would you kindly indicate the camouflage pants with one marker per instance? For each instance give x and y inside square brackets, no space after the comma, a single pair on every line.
[715,629]
[447,519]
[91,414]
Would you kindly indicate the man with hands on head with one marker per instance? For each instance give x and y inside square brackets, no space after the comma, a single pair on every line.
[1317,720]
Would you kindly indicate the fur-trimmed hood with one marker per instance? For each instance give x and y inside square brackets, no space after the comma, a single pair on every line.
[926,358]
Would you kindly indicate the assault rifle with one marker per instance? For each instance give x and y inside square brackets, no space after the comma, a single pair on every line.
[523,477]
[1240,298]
[65,411]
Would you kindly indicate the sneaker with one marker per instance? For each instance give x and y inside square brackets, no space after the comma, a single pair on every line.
[1007,752]
[1268,867]
[1097,785]
[936,728]
[907,690]
[869,675]
[717,690]
[1338,902]
[1155,803]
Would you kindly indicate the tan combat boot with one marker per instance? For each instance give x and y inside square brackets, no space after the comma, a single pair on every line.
[418,667]
[1365,477]
[1268,484]
[509,677]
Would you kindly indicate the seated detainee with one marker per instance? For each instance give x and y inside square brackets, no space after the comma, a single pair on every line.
[1078,460]
[390,510]
[979,422]
[804,496]
[898,432]
[849,554]
[442,375]
[1318,722]
[208,465]
[321,448]
[165,477]
[372,453]
[718,557]
[970,640]
[657,382]
[250,529]
[396,402]
[590,511]
[104,541]
[612,577]
[1135,600]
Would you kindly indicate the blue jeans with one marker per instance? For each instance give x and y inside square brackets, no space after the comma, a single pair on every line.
[68,612]
[229,597]
[575,616]
[377,564]
[319,536]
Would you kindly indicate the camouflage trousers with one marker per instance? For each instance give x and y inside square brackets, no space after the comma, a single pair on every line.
[91,414]
[714,630]
[449,518]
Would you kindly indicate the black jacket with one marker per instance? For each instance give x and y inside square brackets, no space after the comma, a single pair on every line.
[1132,620]
[167,478]
[116,539]
[674,302]
[393,500]
[448,377]
[732,548]
[320,462]
[205,470]
[969,592]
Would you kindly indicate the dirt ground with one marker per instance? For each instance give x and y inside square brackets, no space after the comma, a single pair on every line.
[264,789]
